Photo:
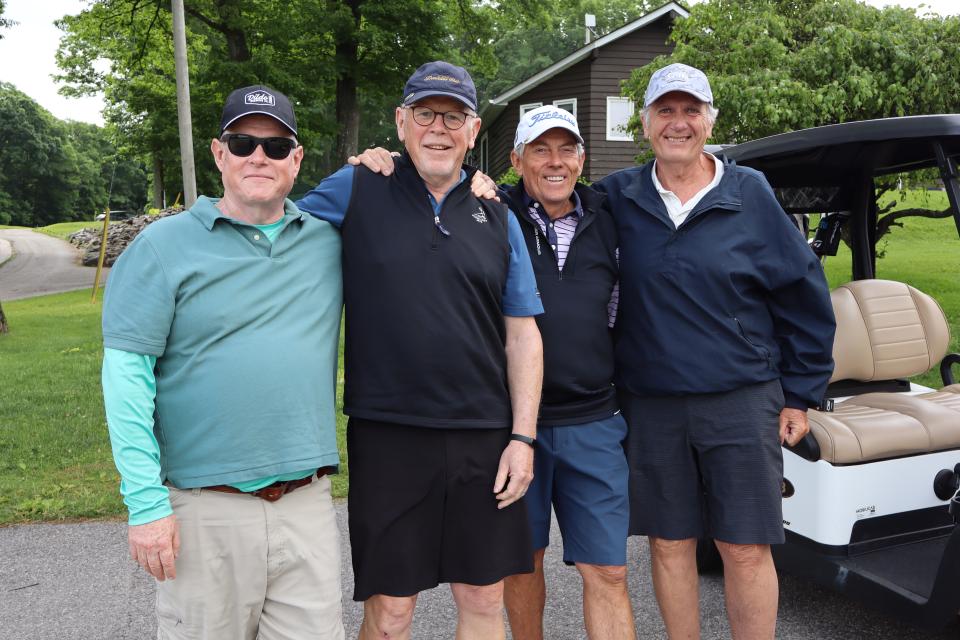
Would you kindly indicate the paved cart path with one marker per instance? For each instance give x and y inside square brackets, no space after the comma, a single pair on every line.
[75,581]
[40,265]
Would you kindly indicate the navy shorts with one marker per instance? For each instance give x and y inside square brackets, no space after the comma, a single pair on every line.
[582,471]
[707,465]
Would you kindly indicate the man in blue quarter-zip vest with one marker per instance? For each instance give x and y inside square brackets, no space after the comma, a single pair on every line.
[579,466]
[443,369]
[724,339]
[220,332]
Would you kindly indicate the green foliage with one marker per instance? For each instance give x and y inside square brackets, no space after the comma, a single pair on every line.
[4,22]
[53,171]
[781,65]
[510,176]
[319,53]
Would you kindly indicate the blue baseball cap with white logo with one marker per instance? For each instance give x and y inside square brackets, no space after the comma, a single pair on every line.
[258,99]
[678,77]
[536,122]
[440,78]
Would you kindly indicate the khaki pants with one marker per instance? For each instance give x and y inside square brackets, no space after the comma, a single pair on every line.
[252,569]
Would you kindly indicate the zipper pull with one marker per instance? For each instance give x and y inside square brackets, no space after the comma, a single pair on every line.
[439,225]
[536,235]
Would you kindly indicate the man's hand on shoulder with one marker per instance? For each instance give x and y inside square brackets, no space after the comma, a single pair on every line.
[155,546]
[378,160]
[514,474]
[484,187]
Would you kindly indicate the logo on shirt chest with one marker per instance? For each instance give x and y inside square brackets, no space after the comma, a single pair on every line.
[480,216]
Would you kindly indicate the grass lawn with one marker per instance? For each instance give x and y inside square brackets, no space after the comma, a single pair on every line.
[56,462]
[61,229]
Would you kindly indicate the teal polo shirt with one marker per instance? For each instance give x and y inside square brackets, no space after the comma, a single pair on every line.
[245,333]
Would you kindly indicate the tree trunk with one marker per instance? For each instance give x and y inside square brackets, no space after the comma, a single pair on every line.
[4,327]
[348,111]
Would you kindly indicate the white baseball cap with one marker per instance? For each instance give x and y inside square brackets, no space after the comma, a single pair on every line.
[534,123]
[678,77]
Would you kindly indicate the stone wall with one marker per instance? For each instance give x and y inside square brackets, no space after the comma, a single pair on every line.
[119,235]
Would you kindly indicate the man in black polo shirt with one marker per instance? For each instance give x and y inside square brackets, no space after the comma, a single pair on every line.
[443,369]
[580,467]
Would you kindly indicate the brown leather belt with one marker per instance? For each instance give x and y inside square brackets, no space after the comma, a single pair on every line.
[275,491]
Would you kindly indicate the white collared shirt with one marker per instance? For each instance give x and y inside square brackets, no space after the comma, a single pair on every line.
[679,211]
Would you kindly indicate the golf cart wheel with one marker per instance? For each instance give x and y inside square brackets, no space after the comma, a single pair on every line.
[708,558]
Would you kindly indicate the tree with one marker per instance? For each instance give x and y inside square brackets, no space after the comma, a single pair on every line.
[4,327]
[51,171]
[781,65]
[342,63]
[38,167]
[4,22]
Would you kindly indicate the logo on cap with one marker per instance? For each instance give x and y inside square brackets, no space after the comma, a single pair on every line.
[260,97]
[553,115]
[677,76]
[441,78]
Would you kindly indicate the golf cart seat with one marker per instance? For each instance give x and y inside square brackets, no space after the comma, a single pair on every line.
[887,330]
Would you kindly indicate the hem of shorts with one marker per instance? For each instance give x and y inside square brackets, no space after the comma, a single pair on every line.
[730,539]
[431,584]
[573,561]
[751,539]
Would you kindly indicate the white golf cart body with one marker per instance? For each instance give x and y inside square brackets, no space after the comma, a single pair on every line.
[867,492]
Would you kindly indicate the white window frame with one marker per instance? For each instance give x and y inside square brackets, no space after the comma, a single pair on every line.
[485,152]
[571,101]
[530,106]
[623,136]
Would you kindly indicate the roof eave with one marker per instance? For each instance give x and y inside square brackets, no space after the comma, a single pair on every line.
[580,54]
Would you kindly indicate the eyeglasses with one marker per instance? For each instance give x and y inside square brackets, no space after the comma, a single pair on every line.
[425,116]
[242,145]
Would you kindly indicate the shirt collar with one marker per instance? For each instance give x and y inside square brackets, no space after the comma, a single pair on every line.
[434,201]
[717,174]
[206,211]
[528,202]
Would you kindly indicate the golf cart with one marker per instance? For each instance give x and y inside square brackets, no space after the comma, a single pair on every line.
[870,504]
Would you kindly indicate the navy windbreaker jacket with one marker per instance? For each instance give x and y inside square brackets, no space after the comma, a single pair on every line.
[732,297]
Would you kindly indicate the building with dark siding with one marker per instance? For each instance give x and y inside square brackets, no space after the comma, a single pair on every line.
[586,83]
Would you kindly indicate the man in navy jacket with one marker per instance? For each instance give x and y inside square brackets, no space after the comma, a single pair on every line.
[724,339]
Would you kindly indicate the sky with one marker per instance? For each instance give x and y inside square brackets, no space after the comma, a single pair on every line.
[27,51]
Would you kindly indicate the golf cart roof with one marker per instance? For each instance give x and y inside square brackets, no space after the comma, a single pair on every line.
[833,154]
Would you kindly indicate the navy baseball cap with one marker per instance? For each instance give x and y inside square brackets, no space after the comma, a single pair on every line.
[258,99]
[440,78]
[678,77]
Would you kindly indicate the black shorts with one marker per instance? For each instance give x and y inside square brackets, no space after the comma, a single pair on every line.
[423,511]
[707,465]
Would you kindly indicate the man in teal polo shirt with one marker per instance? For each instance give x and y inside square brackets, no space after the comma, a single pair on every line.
[220,330]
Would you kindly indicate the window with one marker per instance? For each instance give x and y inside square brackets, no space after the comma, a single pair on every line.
[619,111]
[529,107]
[567,104]
[484,164]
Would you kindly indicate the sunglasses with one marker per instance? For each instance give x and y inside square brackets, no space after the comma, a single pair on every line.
[242,145]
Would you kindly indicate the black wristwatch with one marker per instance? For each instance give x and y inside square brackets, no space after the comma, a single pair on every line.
[524,439]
